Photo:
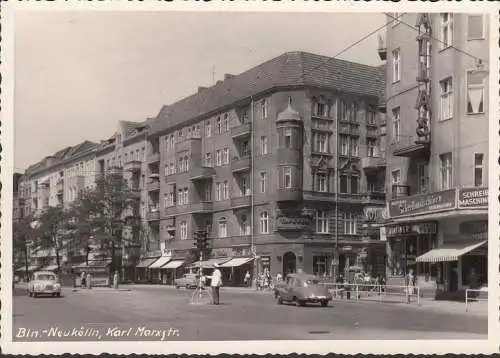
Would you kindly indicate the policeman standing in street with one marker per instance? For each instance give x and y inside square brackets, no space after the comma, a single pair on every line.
[216,282]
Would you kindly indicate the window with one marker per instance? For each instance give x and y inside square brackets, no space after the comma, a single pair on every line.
[423,178]
[343,183]
[371,118]
[344,145]
[475,92]
[225,156]
[288,138]
[371,144]
[287,177]
[321,182]
[321,109]
[396,176]
[263,106]
[184,231]
[244,225]
[263,178]
[225,190]
[244,116]
[207,193]
[263,145]
[245,185]
[446,171]
[396,65]
[354,147]
[208,159]
[354,184]
[172,168]
[167,171]
[245,149]
[208,129]
[350,222]
[475,27]
[226,123]
[189,133]
[222,227]
[186,163]
[197,131]
[264,222]
[322,143]
[218,125]
[446,30]
[181,165]
[396,125]
[478,169]
[218,191]
[218,157]
[446,88]
[322,222]
[172,141]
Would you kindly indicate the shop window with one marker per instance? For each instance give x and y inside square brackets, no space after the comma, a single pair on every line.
[474,271]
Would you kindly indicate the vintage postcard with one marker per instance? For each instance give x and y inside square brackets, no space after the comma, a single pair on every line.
[249,178]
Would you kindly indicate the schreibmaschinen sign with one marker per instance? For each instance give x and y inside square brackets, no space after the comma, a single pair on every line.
[423,203]
[472,198]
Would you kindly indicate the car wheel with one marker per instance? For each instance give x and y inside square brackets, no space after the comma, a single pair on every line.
[58,294]
[324,303]
[298,302]
[54,295]
[280,301]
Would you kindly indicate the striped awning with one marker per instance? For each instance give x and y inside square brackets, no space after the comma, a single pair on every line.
[49,268]
[237,262]
[160,262]
[449,251]
[174,264]
[30,268]
[210,263]
[146,262]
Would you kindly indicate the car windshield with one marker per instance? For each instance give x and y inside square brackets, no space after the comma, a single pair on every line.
[46,277]
[308,283]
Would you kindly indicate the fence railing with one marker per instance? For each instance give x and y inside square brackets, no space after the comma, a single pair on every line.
[475,295]
[374,292]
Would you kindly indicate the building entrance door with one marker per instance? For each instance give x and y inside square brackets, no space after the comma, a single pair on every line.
[453,275]
[289,263]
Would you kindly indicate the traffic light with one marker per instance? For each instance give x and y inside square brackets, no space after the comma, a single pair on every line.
[201,240]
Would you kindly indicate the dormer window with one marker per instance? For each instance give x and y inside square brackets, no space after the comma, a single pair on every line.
[321,108]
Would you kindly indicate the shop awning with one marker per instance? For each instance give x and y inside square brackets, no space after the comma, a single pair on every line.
[210,263]
[449,252]
[160,262]
[49,268]
[237,262]
[30,268]
[146,262]
[174,264]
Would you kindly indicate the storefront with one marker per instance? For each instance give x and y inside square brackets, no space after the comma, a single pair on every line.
[443,237]
[159,274]
[142,271]
[100,271]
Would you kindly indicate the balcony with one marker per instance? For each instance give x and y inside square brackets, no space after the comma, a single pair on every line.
[288,194]
[241,164]
[153,185]
[241,202]
[373,163]
[372,133]
[154,157]
[349,130]
[382,48]
[319,196]
[133,166]
[201,207]
[201,173]
[399,191]
[242,130]
[411,147]
[153,214]
[373,197]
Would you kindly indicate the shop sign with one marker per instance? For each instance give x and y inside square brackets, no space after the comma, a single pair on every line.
[233,252]
[423,203]
[472,198]
[407,229]
[292,223]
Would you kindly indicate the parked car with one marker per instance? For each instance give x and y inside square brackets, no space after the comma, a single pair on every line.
[302,289]
[189,280]
[44,283]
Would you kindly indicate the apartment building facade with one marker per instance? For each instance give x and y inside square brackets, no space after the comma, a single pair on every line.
[437,149]
[272,164]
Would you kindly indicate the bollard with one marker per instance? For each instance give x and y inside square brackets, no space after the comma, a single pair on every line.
[466,300]
[357,293]
[418,296]
[380,293]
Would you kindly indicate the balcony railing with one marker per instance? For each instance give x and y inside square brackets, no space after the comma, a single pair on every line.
[373,197]
[400,190]
[154,157]
[153,214]
[410,146]
[132,166]
[200,173]
[374,162]
[241,130]
[288,194]
[154,185]
[241,164]
[201,207]
[241,201]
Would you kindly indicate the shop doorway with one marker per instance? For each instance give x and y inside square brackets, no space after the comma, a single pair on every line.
[453,276]
[289,263]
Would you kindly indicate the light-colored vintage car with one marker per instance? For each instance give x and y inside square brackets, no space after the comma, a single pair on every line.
[189,280]
[44,283]
[301,289]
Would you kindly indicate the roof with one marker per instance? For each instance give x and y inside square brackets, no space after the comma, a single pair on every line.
[288,69]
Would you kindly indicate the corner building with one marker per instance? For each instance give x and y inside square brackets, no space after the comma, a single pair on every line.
[437,150]
[253,161]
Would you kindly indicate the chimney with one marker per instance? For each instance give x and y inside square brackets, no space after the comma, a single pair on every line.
[201,88]
[228,76]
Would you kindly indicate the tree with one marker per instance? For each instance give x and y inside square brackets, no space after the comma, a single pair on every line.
[23,236]
[104,210]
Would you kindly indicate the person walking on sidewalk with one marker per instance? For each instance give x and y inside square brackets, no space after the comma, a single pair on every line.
[89,281]
[246,279]
[410,285]
[216,282]
[82,280]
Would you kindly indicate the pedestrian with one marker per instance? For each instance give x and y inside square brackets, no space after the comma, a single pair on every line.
[473,284]
[88,280]
[410,285]
[82,280]
[279,277]
[246,279]
[115,280]
[216,283]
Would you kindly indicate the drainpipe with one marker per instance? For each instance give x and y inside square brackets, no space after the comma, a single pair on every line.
[252,215]
[337,178]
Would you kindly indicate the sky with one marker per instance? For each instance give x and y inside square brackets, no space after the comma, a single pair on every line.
[78,73]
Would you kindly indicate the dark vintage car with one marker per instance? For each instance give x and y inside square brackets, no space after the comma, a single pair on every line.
[301,289]
[189,280]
